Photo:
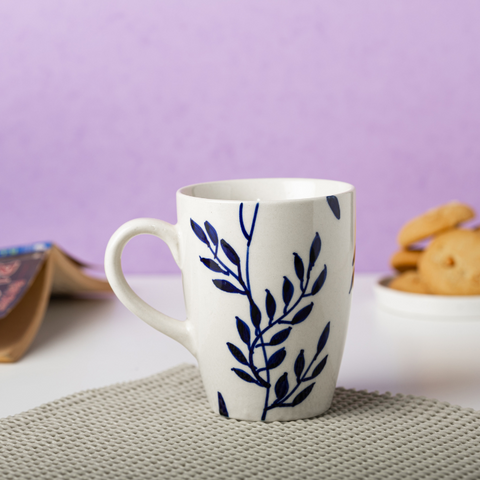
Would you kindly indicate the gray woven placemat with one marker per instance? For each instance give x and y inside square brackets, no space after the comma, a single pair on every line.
[162,427]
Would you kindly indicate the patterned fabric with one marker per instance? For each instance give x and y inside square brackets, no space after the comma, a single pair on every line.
[162,427]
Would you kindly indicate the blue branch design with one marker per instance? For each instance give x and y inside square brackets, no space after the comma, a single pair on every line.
[291,315]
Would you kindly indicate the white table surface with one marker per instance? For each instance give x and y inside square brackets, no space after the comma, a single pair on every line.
[93,343]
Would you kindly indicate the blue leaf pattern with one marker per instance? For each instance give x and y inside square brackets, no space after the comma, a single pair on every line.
[302,314]
[255,315]
[318,284]
[199,232]
[243,331]
[315,249]
[281,387]
[276,359]
[287,291]
[230,253]
[334,205]
[226,286]
[323,338]
[212,233]
[280,337]
[302,395]
[255,339]
[319,368]
[299,268]
[212,265]
[237,353]
[222,407]
[244,375]
[299,365]
[270,305]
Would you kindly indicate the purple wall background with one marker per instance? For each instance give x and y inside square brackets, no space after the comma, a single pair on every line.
[107,108]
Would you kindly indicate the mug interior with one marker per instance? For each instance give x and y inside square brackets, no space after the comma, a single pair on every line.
[268,189]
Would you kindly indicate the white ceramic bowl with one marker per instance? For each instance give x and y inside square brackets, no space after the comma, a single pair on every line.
[422,305]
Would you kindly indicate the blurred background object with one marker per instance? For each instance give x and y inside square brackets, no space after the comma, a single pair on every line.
[107,108]
[29,276]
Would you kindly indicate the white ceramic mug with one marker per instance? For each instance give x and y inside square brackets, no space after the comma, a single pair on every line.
[267,270]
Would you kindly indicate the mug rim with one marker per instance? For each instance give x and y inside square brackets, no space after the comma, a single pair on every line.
[188,190]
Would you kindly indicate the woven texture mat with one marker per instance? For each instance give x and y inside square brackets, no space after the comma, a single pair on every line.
[162,427]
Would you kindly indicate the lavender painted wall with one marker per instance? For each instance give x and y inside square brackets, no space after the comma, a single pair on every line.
[108,107]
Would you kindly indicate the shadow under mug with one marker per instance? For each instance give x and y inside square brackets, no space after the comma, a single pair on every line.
[267,267]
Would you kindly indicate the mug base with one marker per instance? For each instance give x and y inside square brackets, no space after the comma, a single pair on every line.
[279,414]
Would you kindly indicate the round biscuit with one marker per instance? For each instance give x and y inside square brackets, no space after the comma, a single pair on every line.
[434,221]
[450,264]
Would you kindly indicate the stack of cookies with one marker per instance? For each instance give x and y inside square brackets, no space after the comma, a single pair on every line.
[449,264]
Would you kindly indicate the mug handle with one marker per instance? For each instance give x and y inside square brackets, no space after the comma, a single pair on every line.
[181,331]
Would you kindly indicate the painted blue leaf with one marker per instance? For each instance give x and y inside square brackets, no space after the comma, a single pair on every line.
[244,375]
[212,265]
[255,315]
[334,205]
[276,359]
[212,233]
[226,286]
[317,286]
[323,338]
[242,225]
[270,305]
[222,407]
[243,331]
[280,337]
[299,365]
[319,368]
[281,387]
[197,229]
[287,291]
[299,268]
[230,252]
[302,314]
[303,395]
[315,249]
[237,353]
